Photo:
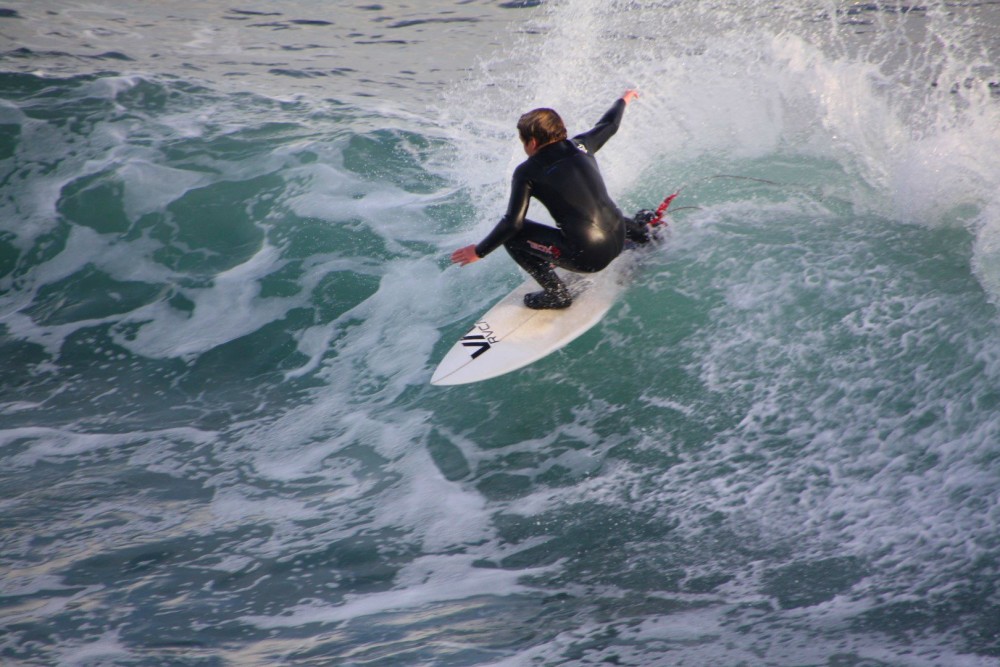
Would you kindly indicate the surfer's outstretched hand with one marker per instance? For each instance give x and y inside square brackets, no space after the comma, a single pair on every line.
[630,94]
[466,255]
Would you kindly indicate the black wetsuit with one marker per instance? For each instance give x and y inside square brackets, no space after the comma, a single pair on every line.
[564,177]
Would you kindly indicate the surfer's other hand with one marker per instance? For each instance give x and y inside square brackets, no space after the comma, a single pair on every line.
[466,255]
[630,94]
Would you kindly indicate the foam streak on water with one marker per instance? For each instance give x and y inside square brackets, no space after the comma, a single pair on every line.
[224,286]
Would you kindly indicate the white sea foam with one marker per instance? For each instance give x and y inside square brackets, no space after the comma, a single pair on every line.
[150,187]
[49,444]
[227,310]
[427,580]
[107,647]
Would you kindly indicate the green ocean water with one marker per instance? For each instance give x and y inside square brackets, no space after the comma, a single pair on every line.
[224,286]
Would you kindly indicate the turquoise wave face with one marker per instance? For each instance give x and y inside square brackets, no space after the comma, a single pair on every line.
[219,312]
[167,242]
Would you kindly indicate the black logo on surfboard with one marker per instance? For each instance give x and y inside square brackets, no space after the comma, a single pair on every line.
[481,337]
[477,341]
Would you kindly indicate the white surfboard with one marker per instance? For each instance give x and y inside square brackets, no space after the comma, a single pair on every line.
[511,336]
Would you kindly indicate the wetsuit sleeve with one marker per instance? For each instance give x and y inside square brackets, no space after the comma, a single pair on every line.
[604,130]
[513,221]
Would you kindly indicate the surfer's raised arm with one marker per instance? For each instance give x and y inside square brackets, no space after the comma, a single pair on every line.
[593,139]
[563,175]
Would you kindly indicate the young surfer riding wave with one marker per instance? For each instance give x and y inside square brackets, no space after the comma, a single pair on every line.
[563,175]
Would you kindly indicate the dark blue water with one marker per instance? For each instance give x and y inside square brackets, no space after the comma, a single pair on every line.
[224,286]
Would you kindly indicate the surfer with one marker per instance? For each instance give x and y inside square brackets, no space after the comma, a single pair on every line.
[563,175]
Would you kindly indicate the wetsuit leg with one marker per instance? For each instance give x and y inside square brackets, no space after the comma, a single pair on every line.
[636,229]
[536,249]
[538,245]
